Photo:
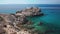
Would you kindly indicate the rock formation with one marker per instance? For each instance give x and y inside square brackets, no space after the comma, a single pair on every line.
[18,23]
[30,12]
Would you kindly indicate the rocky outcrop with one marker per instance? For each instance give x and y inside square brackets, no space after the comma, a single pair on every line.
[18,23]
[30,12]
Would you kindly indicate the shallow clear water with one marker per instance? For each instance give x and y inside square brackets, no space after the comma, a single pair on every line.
[51,16]
[51,20]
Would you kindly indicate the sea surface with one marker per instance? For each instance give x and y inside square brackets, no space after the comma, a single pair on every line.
[51,19]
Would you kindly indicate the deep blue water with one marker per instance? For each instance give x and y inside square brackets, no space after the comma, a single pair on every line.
[51,11]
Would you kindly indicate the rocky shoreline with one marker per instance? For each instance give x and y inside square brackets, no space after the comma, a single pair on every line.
[18,23]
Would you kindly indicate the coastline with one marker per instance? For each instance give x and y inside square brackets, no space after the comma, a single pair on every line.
[18,23]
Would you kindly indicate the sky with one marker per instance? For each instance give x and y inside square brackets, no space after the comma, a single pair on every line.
[29,1]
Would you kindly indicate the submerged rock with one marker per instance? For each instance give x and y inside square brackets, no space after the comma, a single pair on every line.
[41,23]
[31,12]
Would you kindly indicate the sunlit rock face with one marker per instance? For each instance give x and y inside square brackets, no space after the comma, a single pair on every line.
[33,11]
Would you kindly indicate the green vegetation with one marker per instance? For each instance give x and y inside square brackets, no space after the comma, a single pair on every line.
[1,19]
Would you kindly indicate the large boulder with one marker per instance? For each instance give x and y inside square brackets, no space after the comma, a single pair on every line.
[33,11]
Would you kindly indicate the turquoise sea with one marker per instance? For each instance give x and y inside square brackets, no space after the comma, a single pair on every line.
[51,19]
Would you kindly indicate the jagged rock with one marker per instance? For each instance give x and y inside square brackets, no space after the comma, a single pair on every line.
[31,12]
[21,19]
[2,31]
